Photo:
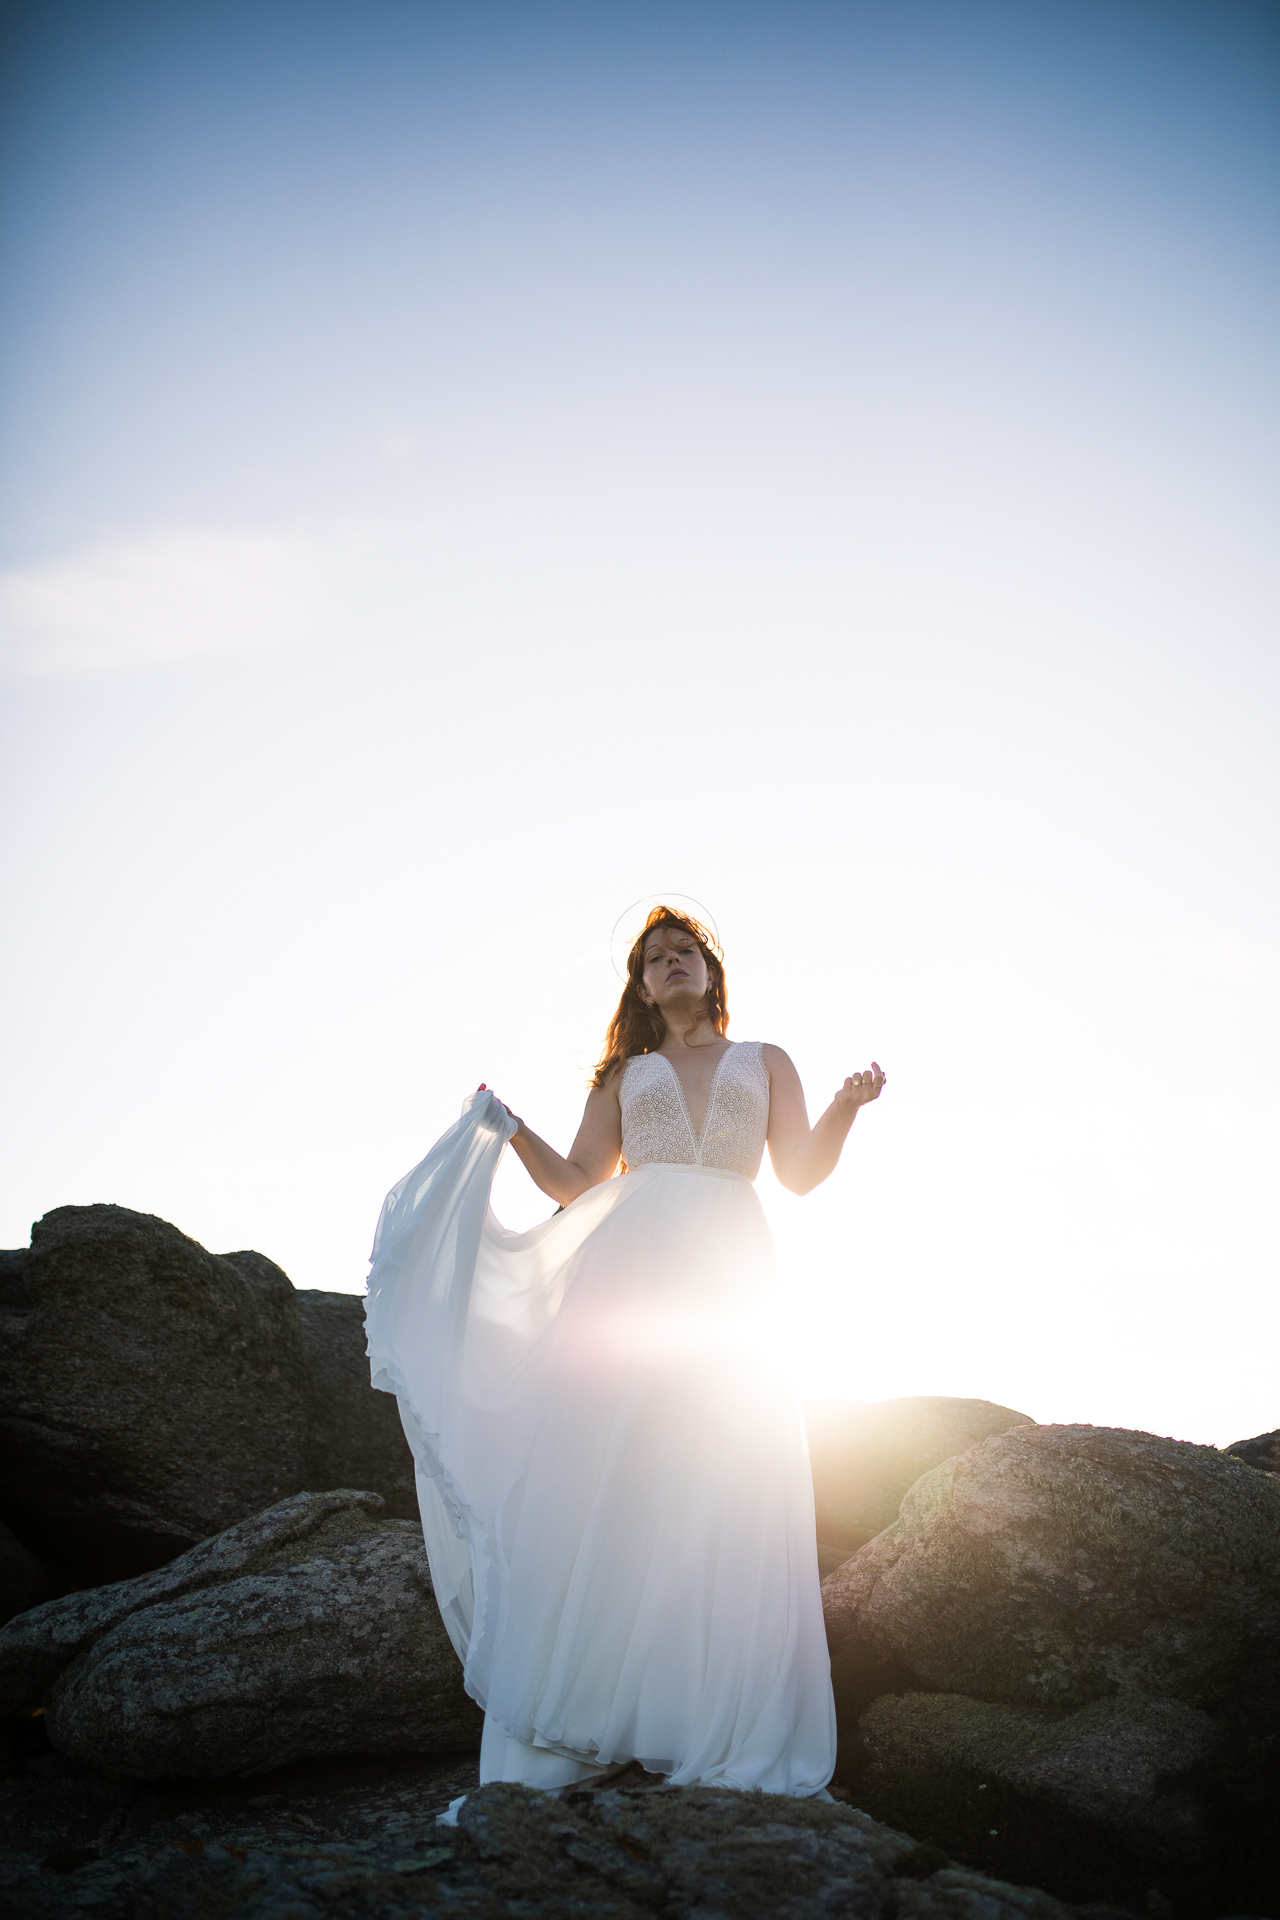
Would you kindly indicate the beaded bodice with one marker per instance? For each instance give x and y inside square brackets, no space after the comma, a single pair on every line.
[655,1117]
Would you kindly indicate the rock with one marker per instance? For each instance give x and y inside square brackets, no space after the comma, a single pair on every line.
[311,1629]
[355,1435]
[1107,1765]
[866,1454]
[368,1849]
[24,1580]
[74,1839]
[13,1263]
[1050,1566]
[711,1851]
[1125,1803]
[1263,1451]
[151,1394]
[35,1649]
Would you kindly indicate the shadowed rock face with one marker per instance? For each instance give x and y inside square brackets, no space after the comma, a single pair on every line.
[866,1454]
[1051,1566]
[311,1629]
[1111,1763]
[150,1392]
[354,1434]
[1103,1804]
[24,1580]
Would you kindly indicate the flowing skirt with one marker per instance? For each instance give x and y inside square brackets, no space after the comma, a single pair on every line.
[613,1475]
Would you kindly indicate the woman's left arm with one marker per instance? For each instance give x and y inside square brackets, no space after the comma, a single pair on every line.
[802,1155]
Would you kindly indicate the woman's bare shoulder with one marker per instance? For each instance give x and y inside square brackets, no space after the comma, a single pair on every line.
[774,1057]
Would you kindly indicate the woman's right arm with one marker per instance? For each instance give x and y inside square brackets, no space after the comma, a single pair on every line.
[592,1157]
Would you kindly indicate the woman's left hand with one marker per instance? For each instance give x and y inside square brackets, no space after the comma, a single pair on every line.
[858,1089]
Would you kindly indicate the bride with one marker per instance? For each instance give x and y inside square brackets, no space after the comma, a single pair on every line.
[612,1471]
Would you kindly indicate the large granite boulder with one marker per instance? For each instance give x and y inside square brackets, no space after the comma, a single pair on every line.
[1051,1566]
[866,1454]
[1062,1662]
[152,1393]
[310,1629]
[354,1434]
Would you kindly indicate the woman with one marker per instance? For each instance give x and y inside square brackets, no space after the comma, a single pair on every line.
[613,1474]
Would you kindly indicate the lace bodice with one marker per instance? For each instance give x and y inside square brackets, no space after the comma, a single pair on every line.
[656,1123]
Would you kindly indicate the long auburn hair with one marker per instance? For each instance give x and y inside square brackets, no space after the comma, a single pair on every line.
[639,1028]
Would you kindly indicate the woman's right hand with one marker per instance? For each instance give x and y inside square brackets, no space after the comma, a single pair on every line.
[482,1088]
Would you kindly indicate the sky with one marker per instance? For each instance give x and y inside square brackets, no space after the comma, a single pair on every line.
[464,469]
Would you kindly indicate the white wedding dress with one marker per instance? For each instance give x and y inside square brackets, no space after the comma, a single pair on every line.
[612,1472]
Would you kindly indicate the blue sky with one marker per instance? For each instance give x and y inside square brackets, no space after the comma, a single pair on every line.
[463,469]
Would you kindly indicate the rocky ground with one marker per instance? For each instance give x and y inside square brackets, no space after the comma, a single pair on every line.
[359,1838]
[228,1692]
[75,1840]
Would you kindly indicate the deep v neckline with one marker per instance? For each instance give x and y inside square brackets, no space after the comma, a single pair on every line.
[711,1097]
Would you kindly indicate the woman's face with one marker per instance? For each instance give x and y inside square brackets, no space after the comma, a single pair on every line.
[674,969]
